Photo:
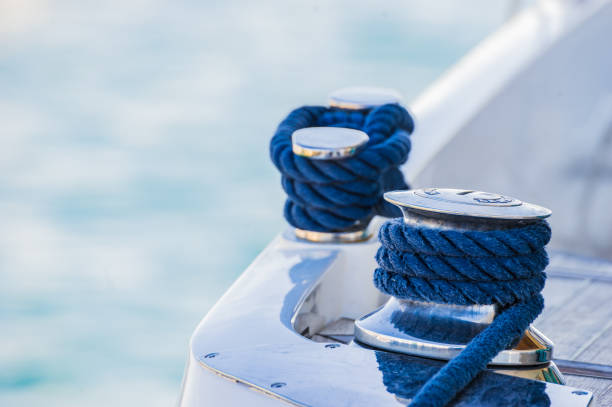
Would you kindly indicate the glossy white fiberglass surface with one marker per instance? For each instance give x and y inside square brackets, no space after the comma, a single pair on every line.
[259,307]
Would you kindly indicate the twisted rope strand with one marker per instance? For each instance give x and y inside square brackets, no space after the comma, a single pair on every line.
[459,372]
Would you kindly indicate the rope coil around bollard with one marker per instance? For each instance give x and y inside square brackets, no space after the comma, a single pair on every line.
[466,267]
[336,195]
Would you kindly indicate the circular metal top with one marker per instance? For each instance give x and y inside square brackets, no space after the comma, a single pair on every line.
[461,203]
[327,143]
[363,97]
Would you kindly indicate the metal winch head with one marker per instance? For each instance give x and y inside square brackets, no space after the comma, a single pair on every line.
[333,143]
[442,331]
[464,208]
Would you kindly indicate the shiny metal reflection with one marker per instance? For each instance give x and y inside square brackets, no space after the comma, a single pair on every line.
[440,331]
[327,143]
[476,209]
[548,373]
[336,237]
[316,375]
[363,97]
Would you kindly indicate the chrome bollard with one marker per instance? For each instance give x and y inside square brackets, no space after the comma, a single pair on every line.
[333,143]
[442,331]
[330,143]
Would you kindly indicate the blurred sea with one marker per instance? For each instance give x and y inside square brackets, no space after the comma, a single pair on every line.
[135,183]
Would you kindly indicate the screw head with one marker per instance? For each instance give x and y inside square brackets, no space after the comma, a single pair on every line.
[580,392]
[211,355]
[332,346]
[278,385]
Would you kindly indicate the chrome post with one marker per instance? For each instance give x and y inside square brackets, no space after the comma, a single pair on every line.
[333,143]
[442,331]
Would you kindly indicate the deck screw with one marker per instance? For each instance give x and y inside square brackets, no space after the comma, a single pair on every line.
[332,345]
[278,385]
[211,355]
[579,392]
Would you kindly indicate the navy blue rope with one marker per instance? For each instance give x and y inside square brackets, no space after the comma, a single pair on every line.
[404,376]
[335,195]
[504,267]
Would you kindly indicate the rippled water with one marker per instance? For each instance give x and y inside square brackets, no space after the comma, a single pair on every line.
[134,178]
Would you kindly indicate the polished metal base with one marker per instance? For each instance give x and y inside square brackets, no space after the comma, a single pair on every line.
[328,143]
[548,373]
[441,331]
[335,237]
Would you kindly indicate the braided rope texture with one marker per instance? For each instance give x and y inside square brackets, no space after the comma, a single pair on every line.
[504,267]
[335,195]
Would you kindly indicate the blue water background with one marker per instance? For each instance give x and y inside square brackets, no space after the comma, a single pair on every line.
[135,183]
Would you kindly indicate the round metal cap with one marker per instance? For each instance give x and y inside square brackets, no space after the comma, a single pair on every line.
[363,97]
[461,203]
[327,143]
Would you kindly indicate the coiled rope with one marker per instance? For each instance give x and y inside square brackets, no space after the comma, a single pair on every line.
[335,195]
[466,267]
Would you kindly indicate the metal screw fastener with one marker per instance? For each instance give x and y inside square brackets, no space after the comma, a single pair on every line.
[211,355]
[278,385]
[332,346]
[580,392]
